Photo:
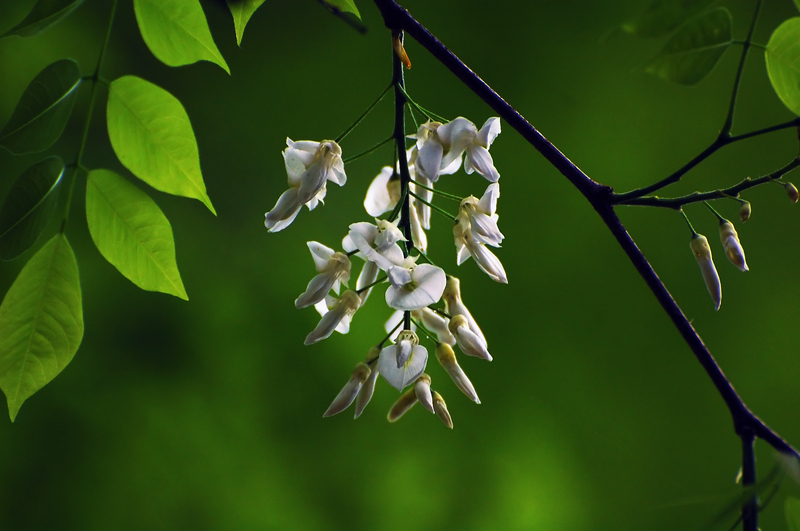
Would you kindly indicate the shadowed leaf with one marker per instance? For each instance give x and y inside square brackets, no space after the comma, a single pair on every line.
[132,233]
[152,136]
[345,6]
[783,63]
[242,10]
[41,322]
[691,54]
[28,207]
[177,33]
[45,13]
[43,110]
[662,16]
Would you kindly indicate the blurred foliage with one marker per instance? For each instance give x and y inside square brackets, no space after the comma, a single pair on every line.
[594,414]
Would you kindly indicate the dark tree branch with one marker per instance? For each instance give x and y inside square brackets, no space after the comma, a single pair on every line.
[602,200]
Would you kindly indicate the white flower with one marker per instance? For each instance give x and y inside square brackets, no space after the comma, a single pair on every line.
[376,243]
[481,216]
[415,288]
[447,359]
[467,246]
[402,363]
[460,135]
[733,248]
[468,341]
[436,324]
[454,306]
[422,388]
[702,252]
[337,318]
[383,193]
[349,391]
[368,276]
[332,267]
[435,154]
[309,165]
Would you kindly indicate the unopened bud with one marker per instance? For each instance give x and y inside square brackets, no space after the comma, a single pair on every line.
[403,404]
[468,341]
[733,247]
[422,388]
[349,391]
[397,44]
[702,252]
[791,191]
[441,410]
[366,391]
[744,211]
[447,359]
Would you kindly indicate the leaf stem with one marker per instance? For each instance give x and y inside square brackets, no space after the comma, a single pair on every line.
[370,150]
[439,192]
[368,286]
[363,115]
[728,125]
[95,82]
[445,213]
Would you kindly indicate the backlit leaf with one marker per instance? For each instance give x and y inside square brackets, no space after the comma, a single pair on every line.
[242,10]
[662,16]
[28,206]
[152,136]
[45,13]
[132,233]
[693,51]
[41,322]
[176,31]
[345,6]
[783,63]
[43,111]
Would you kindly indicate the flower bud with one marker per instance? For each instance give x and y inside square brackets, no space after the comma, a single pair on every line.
[349,391]
[702,252]
[441,410]
[403,404]
[447,359]
[365,393]
[422,388]
[791,191]
[468,341]
[733,248]
[744,211]
[397,44]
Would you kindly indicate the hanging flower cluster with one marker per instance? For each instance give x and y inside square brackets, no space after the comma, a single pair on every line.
[393,252]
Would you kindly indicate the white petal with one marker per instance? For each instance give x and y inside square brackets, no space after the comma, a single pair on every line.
[399,276]
[316,291]
[429,159]
[368,275]
[295,165]
[453,164]
[365,394]
[388,234]
[484,229]
[479,158]
[438,325]
[403,352]
[378,200]
[284,212]
[321,255]
[326,325]
[311,182]
[456,136]
[422,388]
[488,203]
[447,359]
[419,236]
[426,288]
[400,378]
[349,391]
[488,132]
[487,261]
[470,344]
[423,210]
[455,306]
[305,146]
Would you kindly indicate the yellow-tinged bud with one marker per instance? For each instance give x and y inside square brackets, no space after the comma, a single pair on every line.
[791,191]
[457,321]
[441,410]
[397,44]
[744,211]
[403,404]
[702,252]
[733,247]
[422,388]
[447,359]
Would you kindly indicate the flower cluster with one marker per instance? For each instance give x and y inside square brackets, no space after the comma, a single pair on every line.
[393,252]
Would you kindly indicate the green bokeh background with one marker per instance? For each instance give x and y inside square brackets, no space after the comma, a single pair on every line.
[595,415]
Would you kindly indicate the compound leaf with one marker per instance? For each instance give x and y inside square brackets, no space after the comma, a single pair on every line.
[132,233]
[41,322]
[177,33]
[691,54]
[43,111]
[152,136]
[28,207]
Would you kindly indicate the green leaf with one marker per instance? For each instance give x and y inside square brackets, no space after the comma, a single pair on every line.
[41,322]
[662,16]
[28,207]
[132,233]
[792,507]
[176,31]
[152,136]
[797,4]
[45,13]
[43,111]
[242,10]
[783,63]
[345,6]
[691,54]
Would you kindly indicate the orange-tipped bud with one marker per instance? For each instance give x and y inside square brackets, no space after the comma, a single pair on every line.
[397,44]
